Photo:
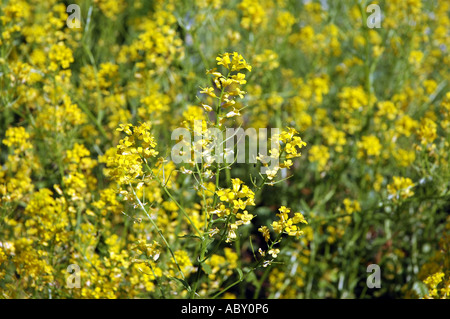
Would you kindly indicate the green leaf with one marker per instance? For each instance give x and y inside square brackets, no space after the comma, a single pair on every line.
[251,277]
[190,236]
[183,282]
[241,274]
[207,268]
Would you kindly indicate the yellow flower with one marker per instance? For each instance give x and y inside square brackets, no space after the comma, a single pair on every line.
[351,206]
[265,232]
[405,125]
[287,224]
[405,157]
[254,14]
[209,91]
[299,218]
[60,56]
[319,154]
[124,163]
[427,131]
[432,282]
[369,146]
[18,139]
[233,61]
[401,187]
[244,217]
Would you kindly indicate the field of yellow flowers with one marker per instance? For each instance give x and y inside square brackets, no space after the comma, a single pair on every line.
[115,181]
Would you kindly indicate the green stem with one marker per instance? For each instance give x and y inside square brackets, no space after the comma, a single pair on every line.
[242,277]
[163,186]
[156,279]
[159,232]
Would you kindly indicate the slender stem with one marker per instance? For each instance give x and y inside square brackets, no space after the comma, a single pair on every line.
[217,125]
[159,231]
[260,283]
[156,279]
[205,208]
[173,199]
[258,263]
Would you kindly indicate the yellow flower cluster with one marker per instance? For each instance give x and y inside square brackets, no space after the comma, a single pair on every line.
[229,85]
[400,188]
[60,56]
[235,201]
[369,146]
[133,151]
[287,224]
[18,139]
[432,282]
[287,146]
